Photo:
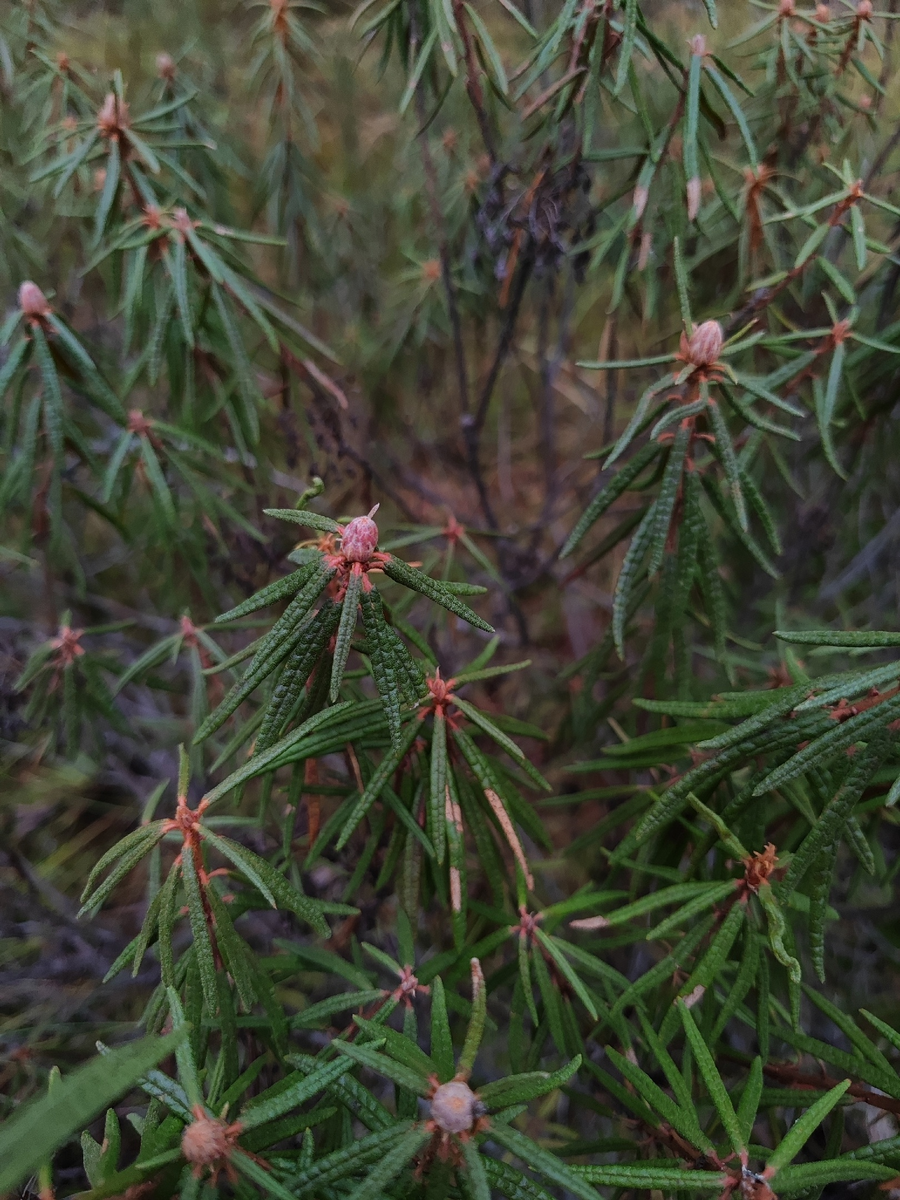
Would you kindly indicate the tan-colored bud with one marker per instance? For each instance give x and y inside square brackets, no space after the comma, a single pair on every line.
[697,44]
[644,252]
[165,66]
[694,192]
[205,1141]
[32,300]
[705,344]
[455,1107]
[360,538]
[641,196]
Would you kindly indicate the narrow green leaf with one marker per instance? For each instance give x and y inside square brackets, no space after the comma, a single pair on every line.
[389,1067]
[803,1128]
[629,36]
[718,1092]
[382,659]
[348,1160]
[858,231]
[438,784]
[681,280]
[390,1166]
[628,575]
[644,1177]
[778,931]
[609,494]
[202,936]
[667,496]
[518,1089]
[281,1099]
[475,1029]
[441,1042]
[542,1161]
[565,969]
[345,630]
[410,577]
[380,776]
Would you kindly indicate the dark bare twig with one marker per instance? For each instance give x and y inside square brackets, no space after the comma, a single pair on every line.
[473,83]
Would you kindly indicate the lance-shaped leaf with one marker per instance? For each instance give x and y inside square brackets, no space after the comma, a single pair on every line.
[680,1118]
[348,1161]
[303,516]
[802,1129]
[290,1093]
[417,581]
[648,1176]
[542,1161]
[272,593]
[778,931]
[718,1092]
[288,632]
[399,1046]
[628,577]
[607,496]
[475,1028]
[518,1089]
[382,655]
[368,1056]
[391,1166]
[515,752]
[389,763]
[201,929]
[129,851]
[441,1043]
[258,763]
[438,783]
[668,494]
[345,630]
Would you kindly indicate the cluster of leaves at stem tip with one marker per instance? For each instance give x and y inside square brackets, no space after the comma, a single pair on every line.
[369,975]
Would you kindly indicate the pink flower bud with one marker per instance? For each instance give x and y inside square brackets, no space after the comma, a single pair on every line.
[455,1107]
[165,66]
[697,44]
[864,10]
[360,538]
[32,300]
[705,345]
[823,14]
[112,116]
